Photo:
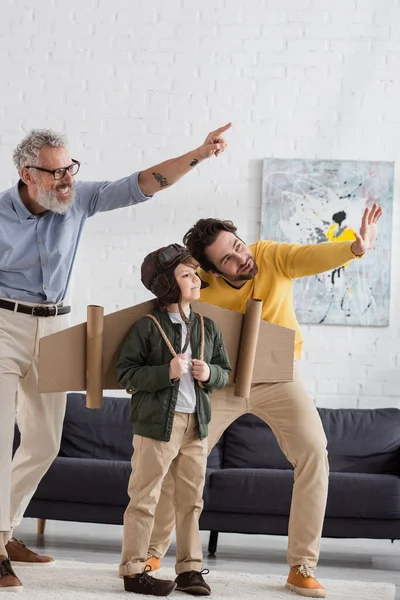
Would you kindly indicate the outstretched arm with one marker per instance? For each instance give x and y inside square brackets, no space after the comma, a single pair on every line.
[295,260]
[167,173]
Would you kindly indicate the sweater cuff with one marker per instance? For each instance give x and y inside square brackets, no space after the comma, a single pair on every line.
[357,255]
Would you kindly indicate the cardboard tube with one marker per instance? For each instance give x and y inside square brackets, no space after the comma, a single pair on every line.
[94,356]
[247,348]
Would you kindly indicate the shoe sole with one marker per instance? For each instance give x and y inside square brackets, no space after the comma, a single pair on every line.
[149,593]
[195,591]
[12,589]
[17,563]
[305,592]
[172,590]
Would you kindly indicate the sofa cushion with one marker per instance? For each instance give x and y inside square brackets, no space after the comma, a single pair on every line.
[262,491]
[359,441]
[363,495]
[89,481]
[363,440]
[104,433]
[249,442]
[269,492]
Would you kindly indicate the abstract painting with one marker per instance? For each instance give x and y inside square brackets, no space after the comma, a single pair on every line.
[313,201]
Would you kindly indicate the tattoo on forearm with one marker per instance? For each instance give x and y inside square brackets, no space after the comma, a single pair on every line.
[163,181]
[194,162]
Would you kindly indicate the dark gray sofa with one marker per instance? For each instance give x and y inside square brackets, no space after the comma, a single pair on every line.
[249,481]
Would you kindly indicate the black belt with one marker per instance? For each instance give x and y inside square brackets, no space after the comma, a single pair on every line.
[35,311]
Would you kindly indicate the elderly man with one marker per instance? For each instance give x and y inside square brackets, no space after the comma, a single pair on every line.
[41,221]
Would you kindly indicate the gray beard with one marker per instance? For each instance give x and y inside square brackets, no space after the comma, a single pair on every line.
[48,200]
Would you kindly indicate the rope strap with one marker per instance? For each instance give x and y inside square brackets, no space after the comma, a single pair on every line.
[170,347]
[166,340]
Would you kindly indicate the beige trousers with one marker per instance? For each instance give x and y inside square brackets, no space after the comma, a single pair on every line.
[184,458]
[39,416]
[292,416]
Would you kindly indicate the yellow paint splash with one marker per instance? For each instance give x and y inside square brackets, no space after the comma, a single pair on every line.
[346,235]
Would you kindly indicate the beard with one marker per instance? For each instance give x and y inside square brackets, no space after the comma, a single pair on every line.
[49,200]
[243,276]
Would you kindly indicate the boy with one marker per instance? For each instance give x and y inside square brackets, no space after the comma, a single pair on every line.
[170,362]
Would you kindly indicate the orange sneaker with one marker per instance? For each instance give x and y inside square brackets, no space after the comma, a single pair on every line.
[301,579]
[153,562]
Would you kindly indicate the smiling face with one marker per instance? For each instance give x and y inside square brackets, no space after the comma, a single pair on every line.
[55,195]
[232,259]
[189,283]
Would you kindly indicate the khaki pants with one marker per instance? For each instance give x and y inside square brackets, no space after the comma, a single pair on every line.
[292,416]
[39,416]
[184,458]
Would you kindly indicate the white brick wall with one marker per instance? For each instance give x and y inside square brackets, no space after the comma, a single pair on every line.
[135,82]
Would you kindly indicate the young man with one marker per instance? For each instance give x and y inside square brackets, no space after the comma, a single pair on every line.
[171,361]
[41,221]
[266,270]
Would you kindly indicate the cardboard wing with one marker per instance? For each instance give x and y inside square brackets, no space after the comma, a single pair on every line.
[84,357]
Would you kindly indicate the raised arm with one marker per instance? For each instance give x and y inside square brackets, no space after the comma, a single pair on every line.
[295,260]
[167,173]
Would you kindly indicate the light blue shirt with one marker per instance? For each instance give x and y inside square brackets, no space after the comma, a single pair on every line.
[37,252]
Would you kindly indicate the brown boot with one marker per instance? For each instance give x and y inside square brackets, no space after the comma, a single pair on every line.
[302,580]
[19,554]
[146,584]
[9,582]
[192,582]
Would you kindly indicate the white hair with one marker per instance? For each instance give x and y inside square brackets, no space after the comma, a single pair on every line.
[27,151]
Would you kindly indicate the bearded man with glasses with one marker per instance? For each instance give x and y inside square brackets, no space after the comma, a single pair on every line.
[41,221]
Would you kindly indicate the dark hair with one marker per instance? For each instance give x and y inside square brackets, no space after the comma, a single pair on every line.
[202,235]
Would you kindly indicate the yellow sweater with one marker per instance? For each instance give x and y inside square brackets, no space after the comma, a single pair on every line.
[278,264]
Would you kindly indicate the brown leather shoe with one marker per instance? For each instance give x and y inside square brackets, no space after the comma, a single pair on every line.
[9,582]
[302,580]
[192,582]
[148,585]
[19,554]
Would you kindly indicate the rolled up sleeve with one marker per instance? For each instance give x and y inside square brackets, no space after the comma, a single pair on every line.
[102,196]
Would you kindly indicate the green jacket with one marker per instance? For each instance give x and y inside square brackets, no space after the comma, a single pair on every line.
[143,366]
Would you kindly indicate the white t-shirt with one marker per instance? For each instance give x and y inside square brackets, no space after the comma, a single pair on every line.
[186,401]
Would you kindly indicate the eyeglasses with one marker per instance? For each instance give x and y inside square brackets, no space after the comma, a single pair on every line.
[60,173]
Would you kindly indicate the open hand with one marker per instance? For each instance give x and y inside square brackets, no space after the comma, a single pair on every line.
[365,239]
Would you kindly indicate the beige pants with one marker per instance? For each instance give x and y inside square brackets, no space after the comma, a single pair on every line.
[39,416]
[184,457]
[292,416]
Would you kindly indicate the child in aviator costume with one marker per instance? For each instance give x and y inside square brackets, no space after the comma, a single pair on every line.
[171,360]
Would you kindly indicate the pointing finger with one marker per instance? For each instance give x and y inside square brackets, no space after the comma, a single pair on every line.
[222,129]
